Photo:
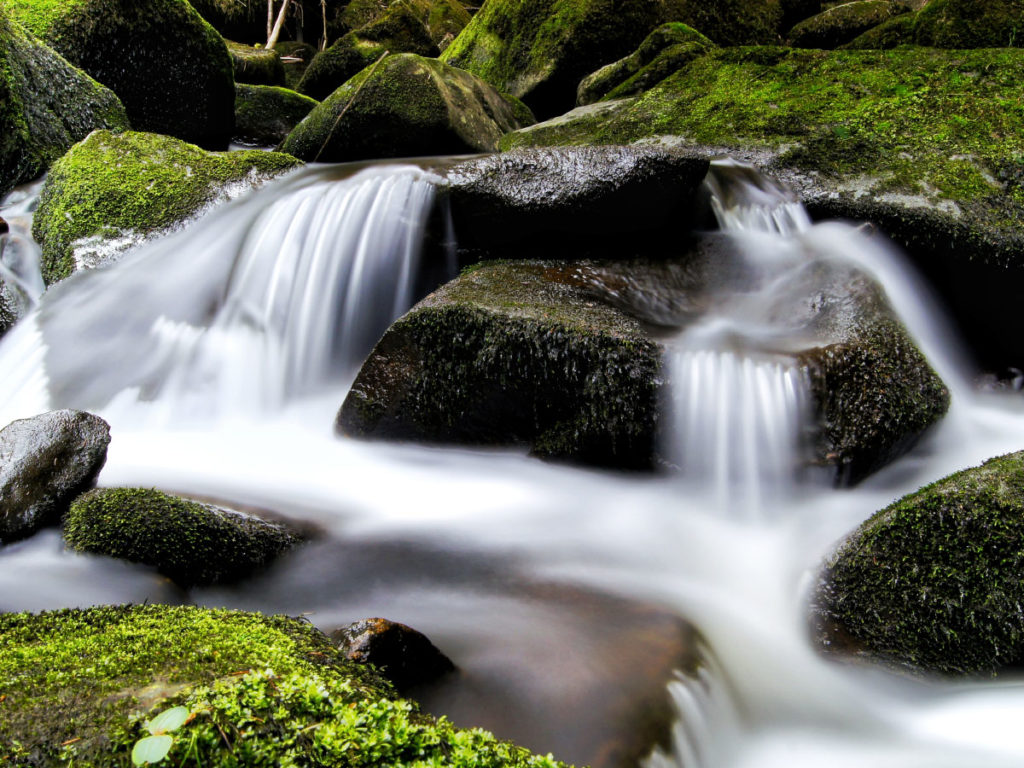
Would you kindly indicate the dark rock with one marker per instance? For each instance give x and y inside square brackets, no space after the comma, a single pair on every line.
[46,105]
[4,228]
[189,542]
[798,10]
[932,581]
[295,58]
[256,66]
[893,33]
[971,24]
[401,654]
[45,462]
[266,114]
[843,23]
[547,200]
[404,106]
[170,68]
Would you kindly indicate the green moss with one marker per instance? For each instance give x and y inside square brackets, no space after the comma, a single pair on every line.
[841,24]
[189,542]
[265,114]
[934,580]
[111,183]
[970,24]
[256,66]
[893,33]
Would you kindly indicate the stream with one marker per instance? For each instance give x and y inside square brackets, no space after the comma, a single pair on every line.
[581,607]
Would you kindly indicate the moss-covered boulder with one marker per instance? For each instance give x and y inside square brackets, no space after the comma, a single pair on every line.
[266,114]
[295,58]
[46,105]
[189,542]
[170,68]
[841,24]
[971,24]
[794,11]
[112,189]
[897,31]
[256,66]
[667,49]
[403,106]
[45,462]
[933,581]
[80,686]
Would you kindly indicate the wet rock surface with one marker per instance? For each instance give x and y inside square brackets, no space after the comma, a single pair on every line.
[400,653]
[45,462]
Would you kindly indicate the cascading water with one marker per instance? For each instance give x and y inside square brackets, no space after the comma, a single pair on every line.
[150,334]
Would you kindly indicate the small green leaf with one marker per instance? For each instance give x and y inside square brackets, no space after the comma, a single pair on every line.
[168,720]
[151,749]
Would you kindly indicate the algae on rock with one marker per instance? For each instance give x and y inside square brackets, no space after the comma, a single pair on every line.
[266,114]
[255,66]
[113,186]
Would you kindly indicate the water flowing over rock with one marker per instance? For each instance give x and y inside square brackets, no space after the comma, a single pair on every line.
[45,462]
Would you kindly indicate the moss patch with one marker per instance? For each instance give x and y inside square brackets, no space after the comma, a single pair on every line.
[138,182]
[842,23]
[265,114]
[971,24]
[256,66]
[934,580]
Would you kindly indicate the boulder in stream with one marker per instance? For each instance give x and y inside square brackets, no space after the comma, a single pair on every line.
[187,541]
[403,655]
[46,105]
[932,582]
[111,191]
[249,685]
[842,23]
[266,114]
[170,68]
[45,462]
[406,106]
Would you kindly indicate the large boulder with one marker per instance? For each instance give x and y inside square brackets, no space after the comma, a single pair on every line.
[842,23]
[266,114]
[558,356]
[592,200]
[187,541]
[46,105]
[170,68]
[45,462]
[971,24]
[111,190]
[933,581]
[403,106]
[258,691]
[256,66]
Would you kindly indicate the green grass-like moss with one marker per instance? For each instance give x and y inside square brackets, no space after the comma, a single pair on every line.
[141,182]
[935,580]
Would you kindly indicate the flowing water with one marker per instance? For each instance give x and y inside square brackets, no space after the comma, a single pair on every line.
[220,356]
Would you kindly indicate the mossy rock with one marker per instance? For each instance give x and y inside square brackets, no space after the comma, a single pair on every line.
[170,68]
[404,106]
[539,51]
[667,49]
[971,24]
[189,542]
[80,685]
[897,31]
[843,23]
[295,58]
[113,185]
[256,66]
[933,581]
[266,114]
[46,105]
[244,20]
[794,11]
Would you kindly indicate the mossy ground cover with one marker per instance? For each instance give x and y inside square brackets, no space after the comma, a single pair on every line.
[77,685]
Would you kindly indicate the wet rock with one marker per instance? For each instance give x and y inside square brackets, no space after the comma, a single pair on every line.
[189,542]
[111,191]
[170,68]
[970,24]
[255,66]
[4,227]
[401,654]
[266,114]
[45,462]
[46,105]
[930,582]
[587,199]
[842,23]
[404,106]
[667,49]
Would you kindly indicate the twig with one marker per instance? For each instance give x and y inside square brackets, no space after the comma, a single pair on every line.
[352,98]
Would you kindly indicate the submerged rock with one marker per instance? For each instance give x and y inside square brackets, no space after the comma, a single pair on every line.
[842,23]
[266,114]
[189,542]
[249,683]
[170,68]
[401,654]
[931,581]
[45,462]
[542,202]
[46,105]
[256,66]
[406,106]
[112,190]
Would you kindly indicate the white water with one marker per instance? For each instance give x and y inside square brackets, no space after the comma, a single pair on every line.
[764,698]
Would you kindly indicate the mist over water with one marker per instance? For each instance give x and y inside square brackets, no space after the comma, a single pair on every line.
[221,355]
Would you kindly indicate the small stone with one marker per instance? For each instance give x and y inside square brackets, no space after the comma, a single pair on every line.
[403,655]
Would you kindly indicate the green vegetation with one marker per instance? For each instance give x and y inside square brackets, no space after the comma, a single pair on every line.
[189,542]
[256,66]
[265,114]
[110,184]
[934,580]
[842,23]
[971,24]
